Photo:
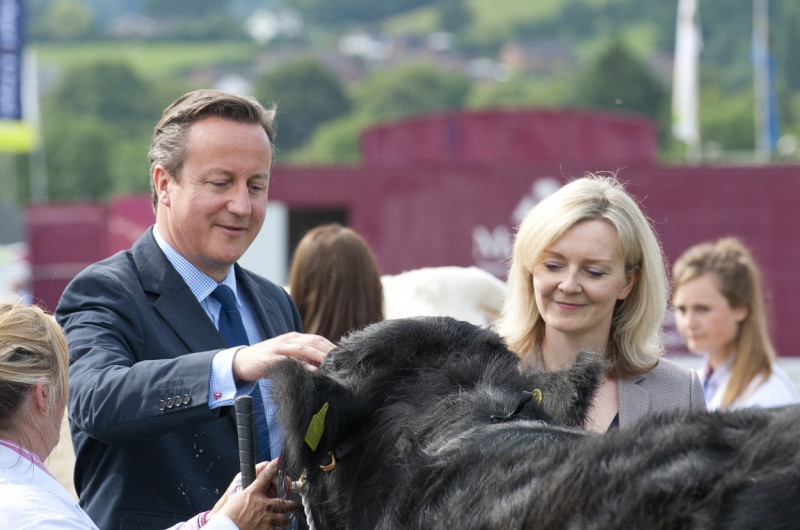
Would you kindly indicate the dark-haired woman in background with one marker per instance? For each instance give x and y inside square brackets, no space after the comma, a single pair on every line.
[335,282]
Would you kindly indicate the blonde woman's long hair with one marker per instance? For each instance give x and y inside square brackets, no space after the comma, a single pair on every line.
[634,344]
[738,279]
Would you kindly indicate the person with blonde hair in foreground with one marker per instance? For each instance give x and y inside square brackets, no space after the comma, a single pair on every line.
[719,311]
[34,372]
[587,274]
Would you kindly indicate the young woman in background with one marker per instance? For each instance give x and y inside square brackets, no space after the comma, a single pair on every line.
[719,311]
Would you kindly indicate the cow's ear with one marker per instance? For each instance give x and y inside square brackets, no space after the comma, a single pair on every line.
[567,394]
[312,407]
[586,373]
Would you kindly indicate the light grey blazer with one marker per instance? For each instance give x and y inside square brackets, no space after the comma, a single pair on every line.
[668,386]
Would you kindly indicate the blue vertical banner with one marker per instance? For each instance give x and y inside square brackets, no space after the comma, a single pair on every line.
[764,75]
[16,136]
[12,40]
[772,127]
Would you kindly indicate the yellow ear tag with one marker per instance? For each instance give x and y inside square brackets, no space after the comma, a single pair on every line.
[537,396]
[316,428]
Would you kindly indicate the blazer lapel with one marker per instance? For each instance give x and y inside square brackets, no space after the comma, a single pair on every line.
[634,399]
[263,305]
[172,299]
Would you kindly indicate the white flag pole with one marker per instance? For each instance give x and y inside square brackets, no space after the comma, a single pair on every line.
[766,115]
[685,79]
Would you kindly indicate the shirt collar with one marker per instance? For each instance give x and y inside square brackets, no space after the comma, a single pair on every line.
[200,283]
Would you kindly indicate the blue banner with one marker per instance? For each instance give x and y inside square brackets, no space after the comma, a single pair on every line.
[11,44]
[770,130]
[766,110]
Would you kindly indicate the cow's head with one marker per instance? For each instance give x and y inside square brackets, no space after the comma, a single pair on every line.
[398,389]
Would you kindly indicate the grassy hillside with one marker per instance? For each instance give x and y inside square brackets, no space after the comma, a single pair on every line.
[150,60]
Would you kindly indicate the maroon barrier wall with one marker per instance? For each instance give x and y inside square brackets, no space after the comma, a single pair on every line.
[511,136]
[128,217]
[453,207]
[63,239]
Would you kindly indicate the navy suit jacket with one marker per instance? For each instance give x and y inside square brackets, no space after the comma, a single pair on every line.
[138,338]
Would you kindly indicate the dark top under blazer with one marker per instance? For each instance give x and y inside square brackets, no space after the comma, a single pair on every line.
[149,451]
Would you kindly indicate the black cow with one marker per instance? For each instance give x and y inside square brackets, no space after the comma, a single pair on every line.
[429,423]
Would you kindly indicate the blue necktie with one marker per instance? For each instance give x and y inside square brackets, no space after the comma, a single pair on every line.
[233,333]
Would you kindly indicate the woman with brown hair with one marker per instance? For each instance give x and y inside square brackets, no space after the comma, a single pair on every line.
[335,282]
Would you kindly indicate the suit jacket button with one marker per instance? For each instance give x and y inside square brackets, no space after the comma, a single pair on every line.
[178,401]
[170,403]
[186,399]
[162,405]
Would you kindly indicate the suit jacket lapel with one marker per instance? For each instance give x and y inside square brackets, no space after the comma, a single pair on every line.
[634,399]
[172,299]
[263,305]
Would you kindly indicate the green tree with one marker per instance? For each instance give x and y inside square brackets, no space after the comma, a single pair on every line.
[307,95]
[786,42]
[793,127]
[335,142]
[522,90]
[109,90]
[79,157]
[94,122]
[618,80]
[726,120]
[411,90]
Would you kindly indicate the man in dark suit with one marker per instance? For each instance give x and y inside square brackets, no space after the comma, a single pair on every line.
[153,372]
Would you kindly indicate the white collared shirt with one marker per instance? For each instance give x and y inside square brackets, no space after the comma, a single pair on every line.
[778,390]
[30,498]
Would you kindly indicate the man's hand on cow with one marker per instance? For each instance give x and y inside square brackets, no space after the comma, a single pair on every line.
[253,362]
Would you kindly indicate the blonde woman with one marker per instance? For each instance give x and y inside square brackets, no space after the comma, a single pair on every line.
[719,311]
[34,368]
[587,274]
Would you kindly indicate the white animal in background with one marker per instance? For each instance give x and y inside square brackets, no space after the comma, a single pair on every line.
[464,293]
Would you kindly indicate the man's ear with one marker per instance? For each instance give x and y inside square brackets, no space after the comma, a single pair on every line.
[161,182]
